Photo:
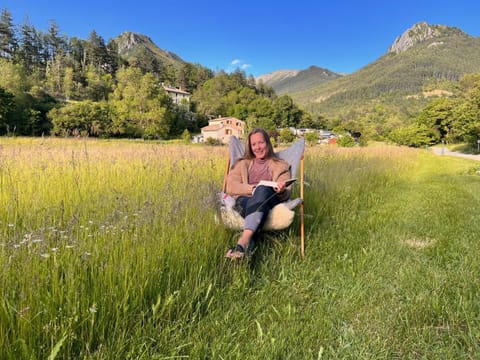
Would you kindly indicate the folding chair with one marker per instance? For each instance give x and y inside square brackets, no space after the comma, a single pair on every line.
[281,216]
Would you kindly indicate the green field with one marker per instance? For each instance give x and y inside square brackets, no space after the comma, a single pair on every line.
[110,250]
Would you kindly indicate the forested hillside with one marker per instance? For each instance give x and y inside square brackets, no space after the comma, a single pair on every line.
[424,61]
[393,92]
[54,84]
[422,91]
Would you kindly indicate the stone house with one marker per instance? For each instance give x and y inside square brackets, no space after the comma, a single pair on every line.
[177,95]
[223,128]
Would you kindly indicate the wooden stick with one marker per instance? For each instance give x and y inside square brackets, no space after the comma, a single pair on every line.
[227,168]
[302,223]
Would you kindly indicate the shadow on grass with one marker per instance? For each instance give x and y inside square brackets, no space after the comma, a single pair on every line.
[465,149]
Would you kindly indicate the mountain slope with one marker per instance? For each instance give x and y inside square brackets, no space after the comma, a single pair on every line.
[132,46]
[423,56]
[289,81]
[272,78]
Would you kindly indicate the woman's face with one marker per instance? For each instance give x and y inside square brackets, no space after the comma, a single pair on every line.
[259,145]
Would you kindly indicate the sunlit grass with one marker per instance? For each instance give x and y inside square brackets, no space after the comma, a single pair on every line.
[97,235]
[109,250]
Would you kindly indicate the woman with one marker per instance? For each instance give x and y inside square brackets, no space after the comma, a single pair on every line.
[255,202]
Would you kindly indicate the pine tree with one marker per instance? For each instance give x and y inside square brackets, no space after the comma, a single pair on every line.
[31,47]
[54,43]
[8,42]
[98,54]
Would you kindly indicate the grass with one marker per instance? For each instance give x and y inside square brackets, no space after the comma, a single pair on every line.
[109,250]
[465,148]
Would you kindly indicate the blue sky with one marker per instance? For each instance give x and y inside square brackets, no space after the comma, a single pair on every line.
[258,36]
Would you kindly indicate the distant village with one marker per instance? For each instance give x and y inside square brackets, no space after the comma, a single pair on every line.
[223,128]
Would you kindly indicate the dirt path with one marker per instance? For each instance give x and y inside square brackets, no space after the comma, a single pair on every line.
[445,151]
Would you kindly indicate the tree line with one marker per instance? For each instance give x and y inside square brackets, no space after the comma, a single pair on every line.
[53,84]
[451,119]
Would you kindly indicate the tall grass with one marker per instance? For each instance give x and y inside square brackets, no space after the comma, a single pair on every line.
[99,238]
[109,250]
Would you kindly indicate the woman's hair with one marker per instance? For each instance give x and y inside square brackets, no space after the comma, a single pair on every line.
[248,148]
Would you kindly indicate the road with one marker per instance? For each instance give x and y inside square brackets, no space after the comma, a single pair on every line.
[445,151]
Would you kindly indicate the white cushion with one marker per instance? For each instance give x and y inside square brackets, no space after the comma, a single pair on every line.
[280,217]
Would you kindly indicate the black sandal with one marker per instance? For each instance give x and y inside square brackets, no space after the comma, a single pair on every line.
[236,252]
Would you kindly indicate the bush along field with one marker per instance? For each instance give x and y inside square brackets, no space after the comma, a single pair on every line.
[110,250]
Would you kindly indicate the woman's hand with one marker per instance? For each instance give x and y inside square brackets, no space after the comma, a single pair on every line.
[280,187]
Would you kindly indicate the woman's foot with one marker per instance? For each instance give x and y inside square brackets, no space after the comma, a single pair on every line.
[236,252]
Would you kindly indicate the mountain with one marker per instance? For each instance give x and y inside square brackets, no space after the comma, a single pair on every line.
[287,81]
[140,48]
[425,57]
[276,76]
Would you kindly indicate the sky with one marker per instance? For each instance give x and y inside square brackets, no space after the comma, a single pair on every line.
[256,36]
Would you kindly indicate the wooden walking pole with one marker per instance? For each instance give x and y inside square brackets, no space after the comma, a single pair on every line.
[227,167]
[302,224]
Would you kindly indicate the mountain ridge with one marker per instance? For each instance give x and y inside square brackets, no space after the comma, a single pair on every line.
[277,75]
[133,45]
[416,62]
[424,56]
[284,81]
[421,32]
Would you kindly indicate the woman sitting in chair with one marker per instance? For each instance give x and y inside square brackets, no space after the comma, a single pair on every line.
[252,201]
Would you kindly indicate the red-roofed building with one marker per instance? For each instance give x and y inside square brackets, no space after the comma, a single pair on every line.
[223,128]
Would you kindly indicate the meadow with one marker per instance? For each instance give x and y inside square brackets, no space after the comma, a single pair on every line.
[110,250]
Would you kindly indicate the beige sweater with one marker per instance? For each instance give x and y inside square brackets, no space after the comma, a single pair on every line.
[237,180]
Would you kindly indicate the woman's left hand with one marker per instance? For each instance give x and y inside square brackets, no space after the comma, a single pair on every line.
[280,187]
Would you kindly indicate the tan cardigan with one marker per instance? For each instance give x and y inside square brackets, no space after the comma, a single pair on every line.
[237,180]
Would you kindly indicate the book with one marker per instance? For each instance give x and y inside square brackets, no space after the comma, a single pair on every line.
[274,183]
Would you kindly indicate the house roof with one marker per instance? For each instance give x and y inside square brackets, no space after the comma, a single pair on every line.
[214,127]
[175,90]
[225,118]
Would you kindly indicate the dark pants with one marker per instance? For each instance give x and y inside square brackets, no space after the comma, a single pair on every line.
[255,208]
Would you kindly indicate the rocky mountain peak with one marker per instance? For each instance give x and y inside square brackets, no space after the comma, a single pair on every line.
[131,45]
[419,33]
[128,40]
[277,76]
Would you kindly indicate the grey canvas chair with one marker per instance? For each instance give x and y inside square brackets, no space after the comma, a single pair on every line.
[282,215]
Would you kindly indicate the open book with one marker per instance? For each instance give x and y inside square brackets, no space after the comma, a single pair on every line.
[274,183]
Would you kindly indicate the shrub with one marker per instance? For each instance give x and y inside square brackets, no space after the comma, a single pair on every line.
[345,141]
[286,136]
[213,142]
